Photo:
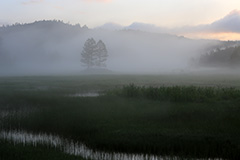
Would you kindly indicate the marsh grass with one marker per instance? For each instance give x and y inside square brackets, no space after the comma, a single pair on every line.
[180,93]
[171,120]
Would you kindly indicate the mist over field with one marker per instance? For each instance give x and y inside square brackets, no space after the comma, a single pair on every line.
[119,79]
[54,47]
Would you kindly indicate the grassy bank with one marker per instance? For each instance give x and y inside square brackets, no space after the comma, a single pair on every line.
[140,122]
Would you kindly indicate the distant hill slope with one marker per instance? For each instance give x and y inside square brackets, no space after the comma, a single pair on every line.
[55,47]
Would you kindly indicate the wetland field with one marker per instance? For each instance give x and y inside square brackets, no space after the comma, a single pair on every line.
[120,117]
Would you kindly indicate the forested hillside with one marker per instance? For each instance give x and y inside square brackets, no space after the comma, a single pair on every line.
[227,57]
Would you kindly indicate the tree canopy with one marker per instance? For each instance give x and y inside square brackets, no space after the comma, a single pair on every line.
[94,54]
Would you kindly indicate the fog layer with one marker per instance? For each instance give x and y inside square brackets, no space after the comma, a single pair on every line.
[52,47]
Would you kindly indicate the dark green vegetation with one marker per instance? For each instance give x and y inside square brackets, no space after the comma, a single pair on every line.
[131,119]
[9,151]
[180,93]
[228,57]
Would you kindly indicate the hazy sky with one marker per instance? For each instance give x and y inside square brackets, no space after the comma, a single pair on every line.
[97,12]
[167,13]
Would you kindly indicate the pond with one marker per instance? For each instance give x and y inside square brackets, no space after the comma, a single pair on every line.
[74,148]
[89,94]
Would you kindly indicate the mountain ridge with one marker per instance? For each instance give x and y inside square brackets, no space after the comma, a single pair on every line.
[229,23]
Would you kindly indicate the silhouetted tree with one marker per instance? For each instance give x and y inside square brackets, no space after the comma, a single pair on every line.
[235,57]
[101,54]
[94,54]
[89,53]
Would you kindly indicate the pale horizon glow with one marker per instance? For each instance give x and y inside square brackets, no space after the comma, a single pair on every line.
[94,13]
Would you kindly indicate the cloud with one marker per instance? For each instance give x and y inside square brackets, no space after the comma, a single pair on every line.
[225,28]
[32,2]
[101,1]
[230,23]
[58,7]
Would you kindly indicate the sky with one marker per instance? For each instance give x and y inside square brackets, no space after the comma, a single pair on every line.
[93,13]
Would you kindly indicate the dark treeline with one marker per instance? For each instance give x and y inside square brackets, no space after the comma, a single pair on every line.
[43,23]
[227,57]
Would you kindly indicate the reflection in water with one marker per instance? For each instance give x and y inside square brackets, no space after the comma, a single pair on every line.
[89,94]
[68,146]
[74,148]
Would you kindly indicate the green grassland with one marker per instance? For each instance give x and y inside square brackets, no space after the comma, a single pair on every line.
[183,115]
